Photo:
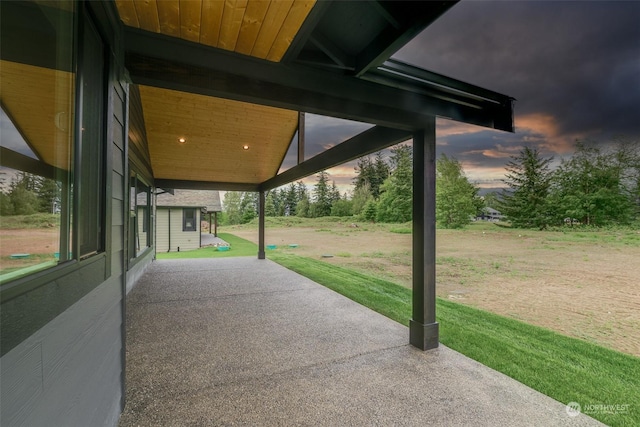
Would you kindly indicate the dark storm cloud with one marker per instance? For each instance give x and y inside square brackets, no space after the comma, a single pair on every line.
[574,68]
[576,61]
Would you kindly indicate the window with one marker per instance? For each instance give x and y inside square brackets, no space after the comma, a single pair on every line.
[91,145]
[139,215]
[189,218]
[52,143]
[37,119]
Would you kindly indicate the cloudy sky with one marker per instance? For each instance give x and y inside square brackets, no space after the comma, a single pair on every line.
[573,67]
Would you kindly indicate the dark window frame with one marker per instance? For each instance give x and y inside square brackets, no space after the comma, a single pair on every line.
[185,219]
[136,182]
[90,158]
[25,298]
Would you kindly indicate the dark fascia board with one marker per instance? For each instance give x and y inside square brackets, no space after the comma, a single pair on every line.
[405,76]
[417,17]
[367,142]
[204,185]
[171,63]
[438,80]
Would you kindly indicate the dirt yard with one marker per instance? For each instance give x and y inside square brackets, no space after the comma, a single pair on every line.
[585,285]
[40,243]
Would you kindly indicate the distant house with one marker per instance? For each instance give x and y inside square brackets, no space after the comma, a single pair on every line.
[489,214]
[179,216]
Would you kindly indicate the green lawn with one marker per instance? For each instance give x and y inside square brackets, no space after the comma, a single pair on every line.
[566,369]
[239,247]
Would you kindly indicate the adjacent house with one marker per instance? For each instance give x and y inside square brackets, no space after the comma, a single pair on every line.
[489,214]
[179,217]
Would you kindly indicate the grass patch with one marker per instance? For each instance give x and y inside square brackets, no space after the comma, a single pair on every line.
[405,229]
[39,220]
[239,247]
[566,369]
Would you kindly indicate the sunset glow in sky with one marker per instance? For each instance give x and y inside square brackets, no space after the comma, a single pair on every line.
[573,67]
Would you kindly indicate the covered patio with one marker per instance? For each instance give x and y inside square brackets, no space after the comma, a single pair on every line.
[210,342]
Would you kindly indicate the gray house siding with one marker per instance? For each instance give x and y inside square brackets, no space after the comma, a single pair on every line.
[137,270]
[68,373]
[169,234]
[62,330]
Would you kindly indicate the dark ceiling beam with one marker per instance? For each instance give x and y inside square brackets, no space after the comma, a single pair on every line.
[308,26]
[171,63]
[14,160]
[382,11]
[411,16]
[330,49]
[367,142]
[319,59]
[203,185]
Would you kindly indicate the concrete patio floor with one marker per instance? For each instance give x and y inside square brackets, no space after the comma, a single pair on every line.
[240,341]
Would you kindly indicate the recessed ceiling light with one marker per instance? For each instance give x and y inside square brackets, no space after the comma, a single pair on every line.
[245,147]
[182,140]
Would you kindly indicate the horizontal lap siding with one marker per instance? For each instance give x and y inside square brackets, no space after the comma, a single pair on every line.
[185,240]
[162,229]
[60,366]
[69,372]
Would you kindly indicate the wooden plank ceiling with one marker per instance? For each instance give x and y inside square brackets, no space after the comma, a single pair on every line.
[40,102]
[215,129]
[259,28]
[215,132]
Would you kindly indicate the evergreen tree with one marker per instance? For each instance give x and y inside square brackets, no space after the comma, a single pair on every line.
[322,196]
[334,193]
[6,207]
[528,177]
[48,195]
[290,199]
[360,198]
[589,187]
[364,173]
[249,206]
[270,204]
[370,210]
[23,194]
[371,174]
[342,207]
[303,207]
[232,208]
[627,156]
[381,173]
[395,204]
[457,199]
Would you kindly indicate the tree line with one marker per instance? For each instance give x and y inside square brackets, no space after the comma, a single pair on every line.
[28,194]
[382,192]
[598,186]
